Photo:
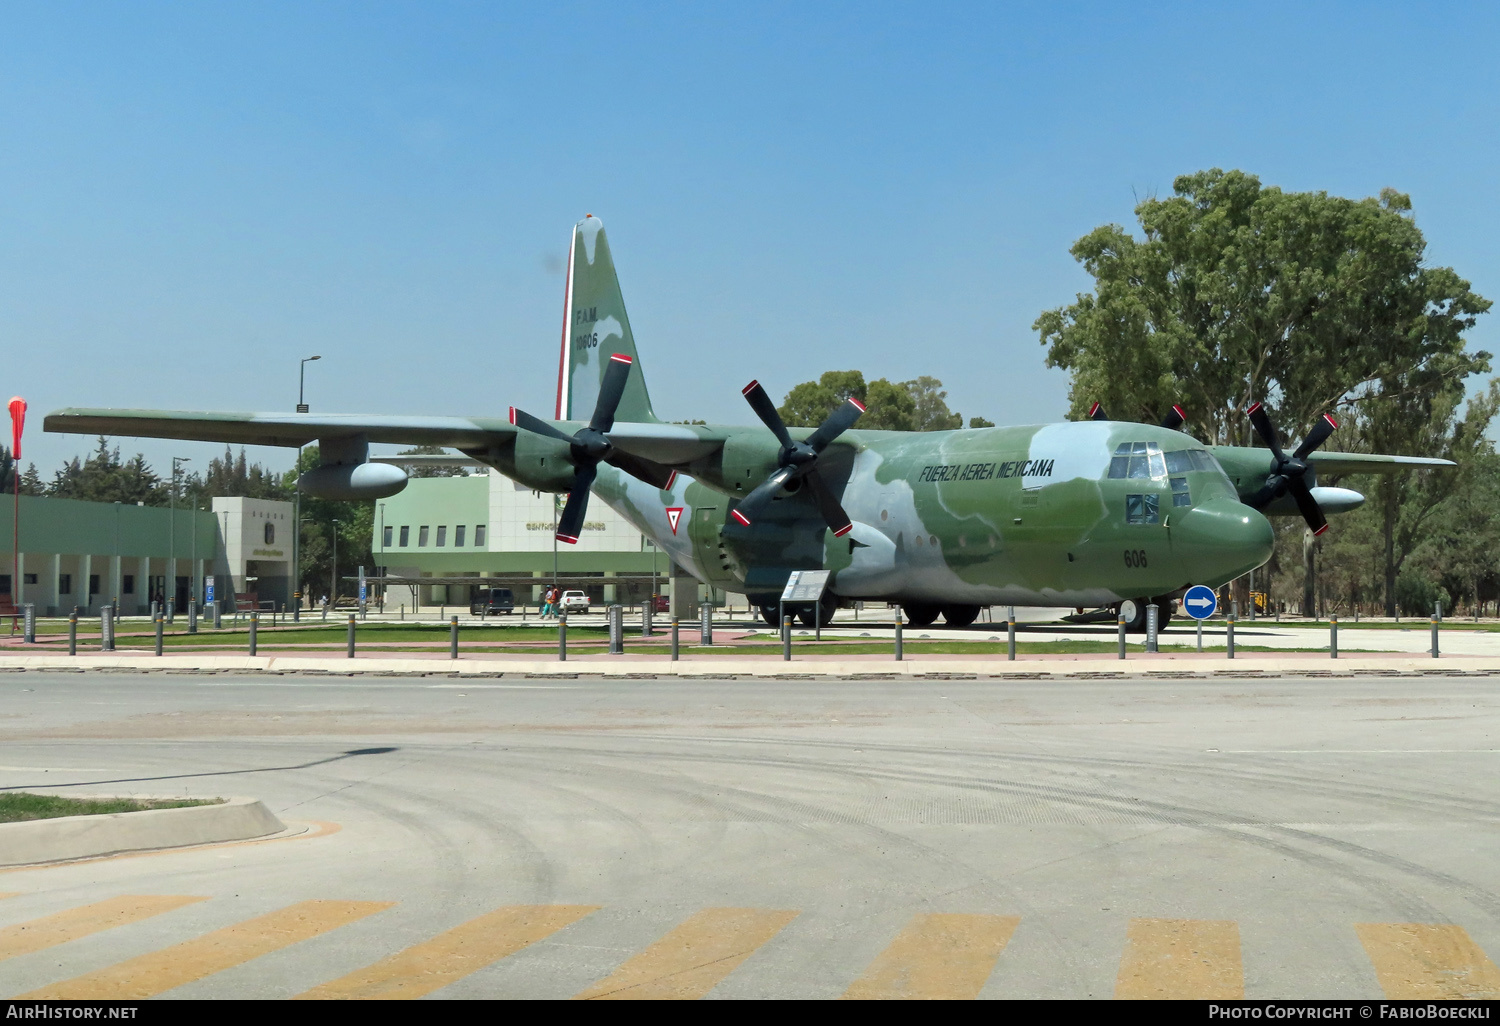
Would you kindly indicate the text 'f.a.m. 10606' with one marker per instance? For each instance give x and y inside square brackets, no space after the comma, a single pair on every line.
[1096,514]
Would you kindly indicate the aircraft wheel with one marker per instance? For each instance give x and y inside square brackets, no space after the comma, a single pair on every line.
[1165,607]
[920,614]
[805,616]
[768,614]
[960,616]
[1134,611]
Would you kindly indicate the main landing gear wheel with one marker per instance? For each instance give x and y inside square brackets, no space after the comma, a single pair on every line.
[921,614]
[1134,611]
[768,614]
[1165,607]
[960,616]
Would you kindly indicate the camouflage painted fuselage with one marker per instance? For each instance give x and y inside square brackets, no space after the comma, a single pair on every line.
[1022,515]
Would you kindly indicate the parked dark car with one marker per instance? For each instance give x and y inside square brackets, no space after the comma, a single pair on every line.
[489,601]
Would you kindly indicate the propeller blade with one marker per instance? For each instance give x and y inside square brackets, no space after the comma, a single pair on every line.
[761,403]
[1096,412]
[1316,437]
[610,391]
[1264,428]
[1307,505]
[1275,487]
[838,521]
[756,502]
[570,525]
[526,422]
[649,471]
[1175,418]
[839,421]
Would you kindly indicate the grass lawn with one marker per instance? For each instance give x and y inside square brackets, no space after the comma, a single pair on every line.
[21,806]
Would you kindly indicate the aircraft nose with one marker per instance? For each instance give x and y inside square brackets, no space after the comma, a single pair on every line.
[1220,540]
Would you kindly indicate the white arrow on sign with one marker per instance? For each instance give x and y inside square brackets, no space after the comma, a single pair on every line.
[1200,602]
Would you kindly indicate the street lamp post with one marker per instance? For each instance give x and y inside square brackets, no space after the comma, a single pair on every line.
[381,569]
[333,590]
[297,505]
[171,582]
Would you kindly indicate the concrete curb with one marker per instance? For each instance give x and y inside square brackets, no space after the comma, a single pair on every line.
[1248,664]
[81,837]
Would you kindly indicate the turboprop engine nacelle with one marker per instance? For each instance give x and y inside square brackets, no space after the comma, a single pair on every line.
[347,474]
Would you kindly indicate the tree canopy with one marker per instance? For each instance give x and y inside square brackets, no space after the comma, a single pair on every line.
[920,404]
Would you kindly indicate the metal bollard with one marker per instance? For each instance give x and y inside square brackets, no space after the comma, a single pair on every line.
[1230,636]
[106,629]
[1010,632]
[192,617]
[158,633]
[616,630]
[349,647]
[254,629]
[1122,635]
[453,637]
[674,639]
[1434,636]
[786,638]
[218,616]
[153,609]
[647,616]
[1333,636]
[562,638]
[1152,612]
[171,610]
[73,631]
[706,624]
[899,654]
[28,623]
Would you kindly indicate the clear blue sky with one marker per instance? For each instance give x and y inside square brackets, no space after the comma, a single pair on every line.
[195,195]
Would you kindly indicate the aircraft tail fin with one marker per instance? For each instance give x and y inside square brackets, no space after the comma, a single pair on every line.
[595,327]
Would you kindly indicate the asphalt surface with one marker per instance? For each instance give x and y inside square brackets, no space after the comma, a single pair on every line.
[755,838]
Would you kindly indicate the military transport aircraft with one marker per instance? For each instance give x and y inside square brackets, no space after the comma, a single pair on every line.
[1093,514]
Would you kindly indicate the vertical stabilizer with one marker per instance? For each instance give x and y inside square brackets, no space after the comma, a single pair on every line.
[595,327]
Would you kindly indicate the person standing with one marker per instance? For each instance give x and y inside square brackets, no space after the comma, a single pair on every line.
[546,602]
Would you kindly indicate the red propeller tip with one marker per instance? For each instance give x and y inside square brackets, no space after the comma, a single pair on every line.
[740,517]
[1093,409]
[670,481]
[858,405]
[1331,421]
[1252,409]
[843,530]
[620,358]
[567,538]
[512,414]
[1179,411]
[749,388]
[1320,530]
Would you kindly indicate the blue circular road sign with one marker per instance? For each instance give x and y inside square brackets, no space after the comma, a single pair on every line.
[1200,602]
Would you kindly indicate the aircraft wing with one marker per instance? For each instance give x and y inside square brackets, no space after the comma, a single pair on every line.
[668,444]
[288,429]
[1372,463]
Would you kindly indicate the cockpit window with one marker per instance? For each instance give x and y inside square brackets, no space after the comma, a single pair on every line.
[1138,460]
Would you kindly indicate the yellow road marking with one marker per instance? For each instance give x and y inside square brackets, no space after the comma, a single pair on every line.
[1194,959]
[1420,961]
[151,974]
[937,956]
[24,938]
[451,956]
[694,958]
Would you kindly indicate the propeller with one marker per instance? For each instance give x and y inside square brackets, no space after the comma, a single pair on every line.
[590,446]
[1174,419]
[798,461]
[1289,473]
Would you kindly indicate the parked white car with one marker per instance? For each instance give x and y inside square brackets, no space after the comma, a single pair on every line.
[575,602]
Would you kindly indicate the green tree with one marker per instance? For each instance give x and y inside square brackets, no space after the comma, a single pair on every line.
[31,483]
[418,470]
[916,405]
[352,522]
[1307,302]
[105,477]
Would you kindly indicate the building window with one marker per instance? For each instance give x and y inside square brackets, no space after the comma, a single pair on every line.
[442,538]
[64,584]
[93,585]
[270,533]
[1142,509]
[458,536]
[127,584]
[28,578]
[385,540]
[405,536]
[479,535]
[422,537]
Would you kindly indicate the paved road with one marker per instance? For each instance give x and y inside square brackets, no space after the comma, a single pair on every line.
[549,838]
